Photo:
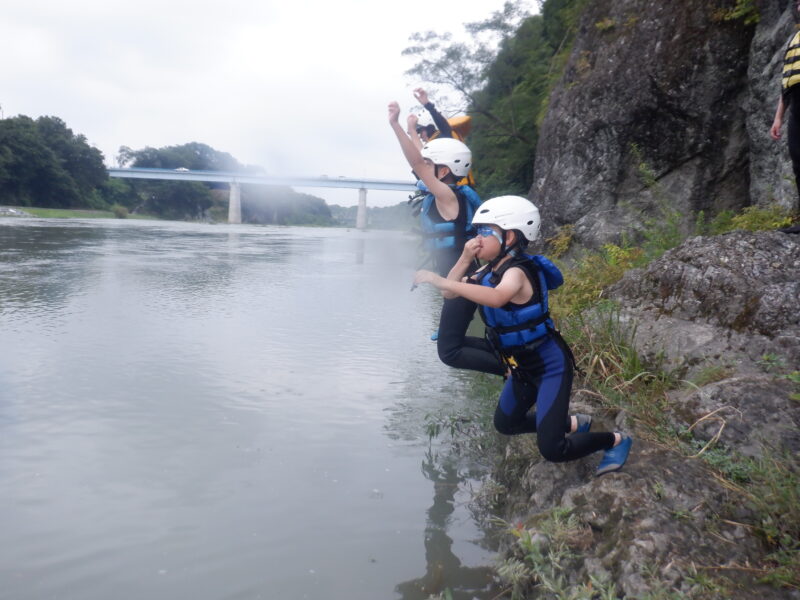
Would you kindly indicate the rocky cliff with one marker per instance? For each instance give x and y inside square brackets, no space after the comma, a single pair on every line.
[662,103]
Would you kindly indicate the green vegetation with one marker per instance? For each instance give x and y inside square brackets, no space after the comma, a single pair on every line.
[752,218]
[76,213]
[545,546]
[503,80]
[43,164]
[744,9]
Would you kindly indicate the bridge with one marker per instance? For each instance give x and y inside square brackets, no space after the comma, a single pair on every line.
[235,180]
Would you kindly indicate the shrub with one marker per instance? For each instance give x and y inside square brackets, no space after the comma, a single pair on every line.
[120,212]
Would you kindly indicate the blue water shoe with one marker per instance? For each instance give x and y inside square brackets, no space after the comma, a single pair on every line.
[614,458]
[584,423]
[435,335]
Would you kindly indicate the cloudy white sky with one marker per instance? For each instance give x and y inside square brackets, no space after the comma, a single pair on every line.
[297,87]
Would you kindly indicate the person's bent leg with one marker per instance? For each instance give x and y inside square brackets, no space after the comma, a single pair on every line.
[552,409]
[511,417]
[455,348]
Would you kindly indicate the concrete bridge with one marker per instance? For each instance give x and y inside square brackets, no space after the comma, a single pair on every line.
[235,180]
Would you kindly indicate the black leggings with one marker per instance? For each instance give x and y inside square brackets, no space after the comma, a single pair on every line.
[793,138]
[545,379]
[457,349]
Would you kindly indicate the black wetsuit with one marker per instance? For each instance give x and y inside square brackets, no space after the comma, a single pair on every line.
[542,376]
[455,348]
[441,123]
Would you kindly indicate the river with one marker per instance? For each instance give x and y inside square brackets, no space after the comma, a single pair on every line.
[225,412]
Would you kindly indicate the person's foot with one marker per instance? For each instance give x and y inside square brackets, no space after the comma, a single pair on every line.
[614,458]
[583,423]
[435,335]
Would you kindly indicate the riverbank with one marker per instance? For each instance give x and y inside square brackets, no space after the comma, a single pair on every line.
[64,213]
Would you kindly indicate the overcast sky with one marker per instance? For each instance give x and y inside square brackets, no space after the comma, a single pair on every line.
[297,87]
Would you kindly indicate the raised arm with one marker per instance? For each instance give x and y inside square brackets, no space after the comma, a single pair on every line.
[446,201]
[441,123]
[412,130]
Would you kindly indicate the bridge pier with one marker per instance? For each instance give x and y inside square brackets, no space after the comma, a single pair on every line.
[235,203]
[361,214]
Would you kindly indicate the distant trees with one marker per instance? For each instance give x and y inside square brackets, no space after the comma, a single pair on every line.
[43,163]
[192,200]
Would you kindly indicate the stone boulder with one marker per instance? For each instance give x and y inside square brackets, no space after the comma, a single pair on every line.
[729,301]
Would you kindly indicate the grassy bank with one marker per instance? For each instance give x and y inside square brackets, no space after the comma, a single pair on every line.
[74,213]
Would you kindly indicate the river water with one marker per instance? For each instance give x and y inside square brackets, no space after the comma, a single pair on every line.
[225,412]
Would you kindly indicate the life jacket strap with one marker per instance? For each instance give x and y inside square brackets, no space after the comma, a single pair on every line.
[531,324]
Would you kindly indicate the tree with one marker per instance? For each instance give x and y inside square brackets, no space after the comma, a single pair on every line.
[182,200]
[43,164]
[503,80]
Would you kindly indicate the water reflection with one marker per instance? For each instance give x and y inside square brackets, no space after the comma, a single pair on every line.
[444,570]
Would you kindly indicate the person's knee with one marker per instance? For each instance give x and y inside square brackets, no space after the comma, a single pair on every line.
[448,353]
[550,450]
[503,424]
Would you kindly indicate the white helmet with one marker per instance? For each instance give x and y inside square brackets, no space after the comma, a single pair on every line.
[510,212]
[423,117]
[450,153]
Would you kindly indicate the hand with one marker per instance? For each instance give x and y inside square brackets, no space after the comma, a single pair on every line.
[471,248]
[412,121]
[775,130]
[421,96]
[423,276]
[394,112]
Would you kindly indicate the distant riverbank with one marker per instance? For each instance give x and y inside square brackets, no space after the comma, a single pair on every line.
[62,213]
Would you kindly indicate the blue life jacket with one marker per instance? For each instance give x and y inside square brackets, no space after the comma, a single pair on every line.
[515,325]
[449,234]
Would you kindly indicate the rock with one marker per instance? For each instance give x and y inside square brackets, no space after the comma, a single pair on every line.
[745,414]
[6,211]
[648,525]
[648,112]
[728,300]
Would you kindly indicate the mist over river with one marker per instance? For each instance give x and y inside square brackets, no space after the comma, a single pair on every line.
[225,412]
